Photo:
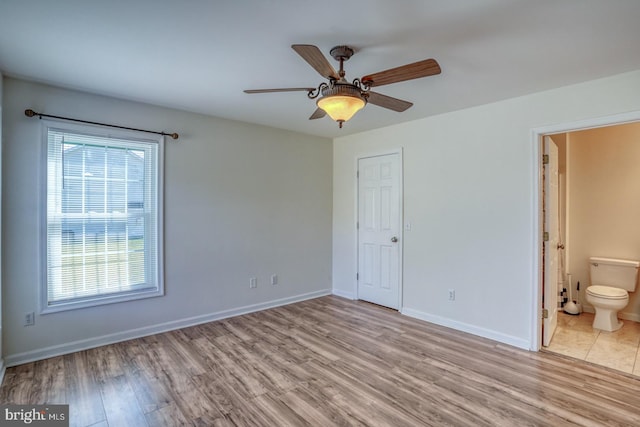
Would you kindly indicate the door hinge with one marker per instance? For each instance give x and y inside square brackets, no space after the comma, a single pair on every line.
[357,276]
[545,236]
[545,159]
[545,313]
[357,174]
[357,225]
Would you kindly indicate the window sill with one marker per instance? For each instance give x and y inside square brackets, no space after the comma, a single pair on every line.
[104,300]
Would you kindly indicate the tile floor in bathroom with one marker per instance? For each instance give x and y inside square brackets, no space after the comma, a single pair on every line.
[575,337]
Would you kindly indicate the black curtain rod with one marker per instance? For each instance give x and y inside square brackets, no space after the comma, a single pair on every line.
[31,113]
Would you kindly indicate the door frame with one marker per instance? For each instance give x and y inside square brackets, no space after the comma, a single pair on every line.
[537,141]
[399,151]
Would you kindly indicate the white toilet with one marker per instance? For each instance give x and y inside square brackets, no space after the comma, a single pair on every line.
[611,280]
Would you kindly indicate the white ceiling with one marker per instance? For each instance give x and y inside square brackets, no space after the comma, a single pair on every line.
[200,55]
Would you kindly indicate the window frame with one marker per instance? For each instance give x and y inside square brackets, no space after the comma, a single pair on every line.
[117,297]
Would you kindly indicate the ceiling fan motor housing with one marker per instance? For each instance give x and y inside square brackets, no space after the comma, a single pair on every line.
[341,53]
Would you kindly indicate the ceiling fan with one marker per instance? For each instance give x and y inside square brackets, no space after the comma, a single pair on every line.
[341,99]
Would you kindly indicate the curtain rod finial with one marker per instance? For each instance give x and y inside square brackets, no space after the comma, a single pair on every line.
[174,135]
[29,113]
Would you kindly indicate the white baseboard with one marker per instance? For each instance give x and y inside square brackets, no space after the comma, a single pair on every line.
[465,327]
[71,347]
[344,294]
[635,317]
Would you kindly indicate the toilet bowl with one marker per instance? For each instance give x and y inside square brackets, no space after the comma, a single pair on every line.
[611,281]
[607,301]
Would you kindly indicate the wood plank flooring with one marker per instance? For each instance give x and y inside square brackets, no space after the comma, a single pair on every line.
[324,362]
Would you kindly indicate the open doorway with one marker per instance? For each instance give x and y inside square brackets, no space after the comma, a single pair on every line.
[598,207]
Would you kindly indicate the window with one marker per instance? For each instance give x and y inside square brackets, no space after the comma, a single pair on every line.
[103,218]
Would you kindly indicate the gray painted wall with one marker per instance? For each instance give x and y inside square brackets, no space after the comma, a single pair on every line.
[240,200]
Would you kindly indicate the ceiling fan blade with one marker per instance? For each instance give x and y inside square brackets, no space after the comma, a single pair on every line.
[318,114]
[385,101]
[289,89]
[428,67]
[316,59]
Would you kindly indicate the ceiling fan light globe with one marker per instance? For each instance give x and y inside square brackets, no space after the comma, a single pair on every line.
[341,107]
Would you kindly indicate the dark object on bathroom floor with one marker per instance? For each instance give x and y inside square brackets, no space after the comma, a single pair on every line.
[578,304]
[571,307]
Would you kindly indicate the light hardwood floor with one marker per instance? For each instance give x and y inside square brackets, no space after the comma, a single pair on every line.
[324,362]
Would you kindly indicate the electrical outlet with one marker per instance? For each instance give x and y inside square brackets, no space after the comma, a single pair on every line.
[452,294]
[274,279]
[29,318]
[253,282]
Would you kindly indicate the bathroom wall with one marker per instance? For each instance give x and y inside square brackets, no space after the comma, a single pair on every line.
[604,201]
[560,140]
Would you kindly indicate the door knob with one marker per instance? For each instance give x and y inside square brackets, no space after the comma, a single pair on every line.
[394,239]
[560,246]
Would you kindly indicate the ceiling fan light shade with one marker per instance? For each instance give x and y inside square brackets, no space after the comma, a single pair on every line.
[341,102]
[340,107]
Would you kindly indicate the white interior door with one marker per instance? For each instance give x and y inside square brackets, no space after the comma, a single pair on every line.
[379,225]
[551,226]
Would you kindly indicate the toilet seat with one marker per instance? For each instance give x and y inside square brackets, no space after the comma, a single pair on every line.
[607,292]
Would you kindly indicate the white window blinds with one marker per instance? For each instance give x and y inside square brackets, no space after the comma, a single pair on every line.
[103,219]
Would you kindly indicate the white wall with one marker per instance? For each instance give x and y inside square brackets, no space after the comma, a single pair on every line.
[240,200]
[469,183]
[605,202]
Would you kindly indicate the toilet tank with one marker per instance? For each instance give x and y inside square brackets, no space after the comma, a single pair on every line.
[617,273]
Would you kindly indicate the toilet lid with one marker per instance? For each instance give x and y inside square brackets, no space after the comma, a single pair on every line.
[607,292]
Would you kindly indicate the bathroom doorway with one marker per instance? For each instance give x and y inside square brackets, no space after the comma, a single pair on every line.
[598,207]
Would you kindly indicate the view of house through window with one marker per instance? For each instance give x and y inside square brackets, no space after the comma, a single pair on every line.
[103,240]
